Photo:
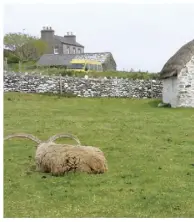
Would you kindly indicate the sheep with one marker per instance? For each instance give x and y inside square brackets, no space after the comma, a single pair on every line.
[59,159]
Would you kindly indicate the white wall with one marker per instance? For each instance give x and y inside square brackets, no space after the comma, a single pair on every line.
[186,85]
[179,91]
[170,91]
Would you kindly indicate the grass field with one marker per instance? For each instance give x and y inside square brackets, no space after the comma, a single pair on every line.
[149,152]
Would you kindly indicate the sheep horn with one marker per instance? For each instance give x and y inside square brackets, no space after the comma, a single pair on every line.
[24,135]
[67,135]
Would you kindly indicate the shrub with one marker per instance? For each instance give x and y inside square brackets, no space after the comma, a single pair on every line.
[12,59]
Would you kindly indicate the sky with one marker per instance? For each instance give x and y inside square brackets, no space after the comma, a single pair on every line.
[139,36]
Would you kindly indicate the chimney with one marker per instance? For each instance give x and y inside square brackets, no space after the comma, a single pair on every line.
[70,37]
[47,35]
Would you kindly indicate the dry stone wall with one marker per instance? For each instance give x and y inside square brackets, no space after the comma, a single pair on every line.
[83,87]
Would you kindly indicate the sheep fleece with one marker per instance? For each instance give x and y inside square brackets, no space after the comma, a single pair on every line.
[61,158]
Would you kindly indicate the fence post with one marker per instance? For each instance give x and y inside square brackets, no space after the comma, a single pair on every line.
[60,85]
[19,66]
[151,89]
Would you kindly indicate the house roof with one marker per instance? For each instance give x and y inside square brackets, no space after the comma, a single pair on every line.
[175,64]
[67,41]
[53,59]
[98,56]
[64,59]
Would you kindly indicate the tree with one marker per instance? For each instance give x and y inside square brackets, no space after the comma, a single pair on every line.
[24,46]
[9,56]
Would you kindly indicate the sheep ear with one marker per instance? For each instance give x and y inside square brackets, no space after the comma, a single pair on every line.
[24,135]
[66,135]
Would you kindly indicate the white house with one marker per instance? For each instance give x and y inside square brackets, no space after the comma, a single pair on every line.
[178,77]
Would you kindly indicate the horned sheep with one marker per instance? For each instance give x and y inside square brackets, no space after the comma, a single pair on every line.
[59,159]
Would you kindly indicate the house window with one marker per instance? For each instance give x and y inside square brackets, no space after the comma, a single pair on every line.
[79,51]
[74,51]
[56,50]
[68,50]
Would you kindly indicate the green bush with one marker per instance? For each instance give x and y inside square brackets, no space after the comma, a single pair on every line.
[108,74]
[12,59]
[14,67]
[67,72]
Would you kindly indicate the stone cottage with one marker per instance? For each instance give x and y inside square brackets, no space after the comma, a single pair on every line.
[66,44]
[178,77]
[62,49]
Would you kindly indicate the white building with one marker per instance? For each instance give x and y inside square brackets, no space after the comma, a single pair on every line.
[178,77]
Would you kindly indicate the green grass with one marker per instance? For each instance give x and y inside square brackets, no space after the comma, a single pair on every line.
[149,152]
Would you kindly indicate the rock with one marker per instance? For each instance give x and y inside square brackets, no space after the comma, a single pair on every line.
[164,105]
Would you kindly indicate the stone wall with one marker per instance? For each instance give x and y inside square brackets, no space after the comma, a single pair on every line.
[178,91]
[109,64]
[84,87]
[186,85]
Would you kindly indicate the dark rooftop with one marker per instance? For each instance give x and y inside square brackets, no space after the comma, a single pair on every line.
[64,59]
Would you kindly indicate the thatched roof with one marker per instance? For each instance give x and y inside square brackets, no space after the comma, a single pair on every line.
[175,64]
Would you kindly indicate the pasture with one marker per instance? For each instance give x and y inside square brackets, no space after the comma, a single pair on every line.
[150,152]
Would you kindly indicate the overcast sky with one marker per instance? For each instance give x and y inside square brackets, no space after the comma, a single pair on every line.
[139,36]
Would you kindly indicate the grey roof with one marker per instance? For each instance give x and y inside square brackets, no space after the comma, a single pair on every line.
[52,59]
[67,41]
[64,59]
[175,64]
